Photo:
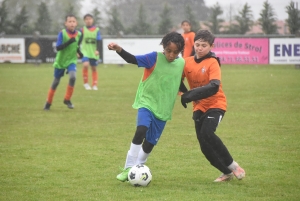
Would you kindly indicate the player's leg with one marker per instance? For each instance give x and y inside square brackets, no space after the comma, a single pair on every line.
[152,136]
[221,150]
[207,149]
[70,87]
[143,122]
[58,73]
[85,73]
[135,146]
[144,152]
[221,156]
[94,63]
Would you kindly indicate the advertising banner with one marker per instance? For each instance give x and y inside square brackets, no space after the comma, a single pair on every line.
[133,46]
[40,50]
[12,50]
[285,51]
[242,50]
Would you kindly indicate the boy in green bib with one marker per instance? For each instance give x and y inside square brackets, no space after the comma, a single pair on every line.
[155,97]
[67,47]
[90,47]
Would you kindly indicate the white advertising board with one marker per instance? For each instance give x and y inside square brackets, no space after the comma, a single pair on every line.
[284,51]
[133,46]
[12,50]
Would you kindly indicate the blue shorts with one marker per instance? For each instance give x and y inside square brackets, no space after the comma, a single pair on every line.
[58,73]
[155,126]
[93,62]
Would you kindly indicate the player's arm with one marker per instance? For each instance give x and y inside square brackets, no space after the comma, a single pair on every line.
[193,49]
[182,87]
[80,40]
[99,42]
[129,58]
[207,90]
[201,92]
[59,43]
[80,55]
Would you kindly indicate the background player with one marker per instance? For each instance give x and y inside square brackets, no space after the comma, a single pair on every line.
[188,36]
[91,46]
[67,46]
[155,96]
[203,74]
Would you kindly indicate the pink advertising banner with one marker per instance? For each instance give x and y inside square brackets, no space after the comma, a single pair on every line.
[242,50]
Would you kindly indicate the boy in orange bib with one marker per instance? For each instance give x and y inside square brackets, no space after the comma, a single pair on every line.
[203,74]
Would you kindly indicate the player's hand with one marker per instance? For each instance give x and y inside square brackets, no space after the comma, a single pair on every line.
[96,52]
[184,101]
[114,46]
[72,40]
[79,55]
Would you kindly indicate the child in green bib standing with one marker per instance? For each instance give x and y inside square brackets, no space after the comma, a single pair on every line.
[155,97]
[91,46]
[67,47]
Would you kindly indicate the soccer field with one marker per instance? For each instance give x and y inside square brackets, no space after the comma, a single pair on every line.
[75,154]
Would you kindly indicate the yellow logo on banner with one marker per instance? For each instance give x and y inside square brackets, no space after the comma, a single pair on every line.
[34,49]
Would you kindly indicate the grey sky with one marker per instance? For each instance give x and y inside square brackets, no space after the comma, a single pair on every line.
[256,6]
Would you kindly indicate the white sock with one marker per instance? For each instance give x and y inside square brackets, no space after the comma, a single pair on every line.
[132,155]
[142,157]
[233,165]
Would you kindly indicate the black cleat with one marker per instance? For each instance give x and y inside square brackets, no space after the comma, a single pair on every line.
[69,104]
[47,106]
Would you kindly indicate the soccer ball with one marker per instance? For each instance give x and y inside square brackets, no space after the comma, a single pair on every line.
[139,175]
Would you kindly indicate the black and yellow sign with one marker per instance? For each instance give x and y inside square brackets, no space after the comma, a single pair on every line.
[42,50]
[34,49]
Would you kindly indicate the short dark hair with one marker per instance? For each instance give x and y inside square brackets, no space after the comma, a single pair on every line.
[173,37]
[205,36]
[70,15]
[186,21]
[88,15]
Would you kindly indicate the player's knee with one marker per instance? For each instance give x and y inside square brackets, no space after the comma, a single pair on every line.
[139,135]
[94,69]
[147,147]
[55,83]
[200,135]
[86,65]
[72,80]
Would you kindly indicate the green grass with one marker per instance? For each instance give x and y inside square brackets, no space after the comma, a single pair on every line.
[75,154]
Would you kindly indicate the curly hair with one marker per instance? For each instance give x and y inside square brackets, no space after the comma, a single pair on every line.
[173,37]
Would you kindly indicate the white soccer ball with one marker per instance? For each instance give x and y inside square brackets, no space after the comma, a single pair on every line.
[139,175]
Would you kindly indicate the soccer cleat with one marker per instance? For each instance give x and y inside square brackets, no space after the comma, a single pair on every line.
[47,106]
[87,86]
[123,176]
[69,104]
[224,177]
[239,172]
[95,88]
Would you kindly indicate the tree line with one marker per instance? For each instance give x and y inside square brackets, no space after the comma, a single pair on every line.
[138,17]
[243,21]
